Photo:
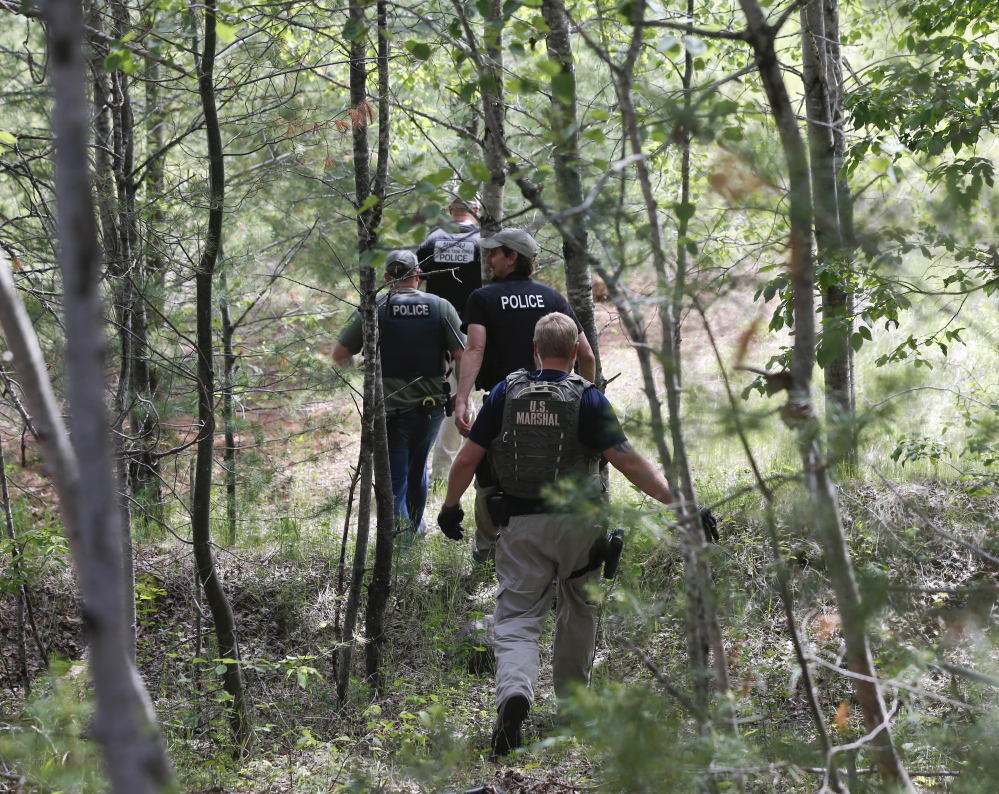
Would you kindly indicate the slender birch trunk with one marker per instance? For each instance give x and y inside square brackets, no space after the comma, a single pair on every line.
[124,723]
[565,127]
[822,75]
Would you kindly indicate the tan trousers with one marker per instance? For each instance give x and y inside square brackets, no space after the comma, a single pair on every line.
[449,440]
[531,552]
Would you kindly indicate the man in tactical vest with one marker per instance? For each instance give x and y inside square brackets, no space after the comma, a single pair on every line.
[541,427]
[451,262]
[499,320]
[415,331]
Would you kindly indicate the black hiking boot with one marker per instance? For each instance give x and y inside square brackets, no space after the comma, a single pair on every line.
[506,735]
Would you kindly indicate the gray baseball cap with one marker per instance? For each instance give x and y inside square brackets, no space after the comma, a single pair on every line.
[401,263]
[458,203]
[515,239]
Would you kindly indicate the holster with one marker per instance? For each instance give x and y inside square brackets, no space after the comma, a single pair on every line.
[448,400]
[498,508]
[606,551]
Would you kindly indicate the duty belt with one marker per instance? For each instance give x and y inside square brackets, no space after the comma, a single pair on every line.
[524,507]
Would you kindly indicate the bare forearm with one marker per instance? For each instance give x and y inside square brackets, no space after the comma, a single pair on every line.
[639,471]
[462,471]
[586,360]
[471,363]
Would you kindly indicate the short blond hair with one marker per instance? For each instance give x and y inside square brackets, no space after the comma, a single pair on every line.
[555,335]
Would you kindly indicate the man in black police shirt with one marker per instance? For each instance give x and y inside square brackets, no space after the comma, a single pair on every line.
[451,263]
[499,320]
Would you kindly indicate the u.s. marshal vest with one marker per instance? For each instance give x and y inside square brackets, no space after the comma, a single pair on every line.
[539,440]
[411,338]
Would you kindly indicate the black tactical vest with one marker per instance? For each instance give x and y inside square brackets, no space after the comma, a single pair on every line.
[410,335]
[539,441]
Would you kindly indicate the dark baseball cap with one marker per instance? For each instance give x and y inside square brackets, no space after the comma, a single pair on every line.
[515,239]
[401,263]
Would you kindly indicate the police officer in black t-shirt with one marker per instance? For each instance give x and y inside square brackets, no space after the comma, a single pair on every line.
[499,320]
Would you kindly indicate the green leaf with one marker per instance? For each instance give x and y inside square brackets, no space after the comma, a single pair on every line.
[550,68]
[303,679]
[425,188]
[7,138]
[880,165]
[479,171]
[120,59]
[467,190]
[564,87]
[369,202]
[694,45]
[220,669]
[441,176]
[467,90]
[226,33]
[684,210]
[418,49]
[354,29]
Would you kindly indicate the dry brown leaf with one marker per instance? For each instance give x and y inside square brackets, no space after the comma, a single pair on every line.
[824,626]
[745,338]
[841,717]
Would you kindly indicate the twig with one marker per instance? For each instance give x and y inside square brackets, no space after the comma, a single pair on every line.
[893,683]
[663,681]
[932,524]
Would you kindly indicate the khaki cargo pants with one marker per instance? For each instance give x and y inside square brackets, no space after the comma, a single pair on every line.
[533,551]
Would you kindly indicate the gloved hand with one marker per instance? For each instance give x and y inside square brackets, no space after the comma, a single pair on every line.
[710,524]
[449,520]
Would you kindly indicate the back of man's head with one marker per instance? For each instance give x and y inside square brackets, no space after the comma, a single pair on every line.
[459,208]
[555,335]
[401,264]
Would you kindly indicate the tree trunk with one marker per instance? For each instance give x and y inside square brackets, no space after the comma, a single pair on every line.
[799,412]
[823,83]
[21,586]
[228,419]
[124,722]
[144,474]
[218,603]
[565,128]
[350,611]
[494,132]
[381,574]
[703,630]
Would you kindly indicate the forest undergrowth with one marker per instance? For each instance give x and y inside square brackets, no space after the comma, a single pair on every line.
[430,729]
[930,604]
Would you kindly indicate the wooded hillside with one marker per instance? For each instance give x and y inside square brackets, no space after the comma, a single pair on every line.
[775,223]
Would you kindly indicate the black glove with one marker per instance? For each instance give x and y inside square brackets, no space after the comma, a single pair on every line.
[449,520]
[710,524]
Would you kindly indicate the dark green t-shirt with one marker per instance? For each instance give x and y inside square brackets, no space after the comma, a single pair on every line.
[401,394]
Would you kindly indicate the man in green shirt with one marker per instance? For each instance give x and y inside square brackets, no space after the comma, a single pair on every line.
[416,330]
